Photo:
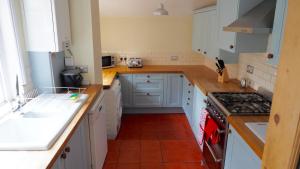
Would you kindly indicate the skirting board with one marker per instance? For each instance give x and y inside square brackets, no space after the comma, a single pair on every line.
[153,110]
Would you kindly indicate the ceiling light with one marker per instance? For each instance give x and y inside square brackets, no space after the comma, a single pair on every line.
[161,10]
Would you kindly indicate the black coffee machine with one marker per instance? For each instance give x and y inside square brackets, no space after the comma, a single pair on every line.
[71,78]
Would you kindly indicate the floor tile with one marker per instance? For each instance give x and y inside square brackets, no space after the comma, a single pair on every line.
[130,145]
[129,156]
[128,166]
[110,166]
[154,141]
[150,145]
[112,157]
[151,156]
[151,166]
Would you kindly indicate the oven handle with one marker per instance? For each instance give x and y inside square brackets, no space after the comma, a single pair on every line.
[212,153]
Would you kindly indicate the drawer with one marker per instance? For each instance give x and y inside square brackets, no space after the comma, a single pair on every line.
[148,99]
[149,76]
[150,85]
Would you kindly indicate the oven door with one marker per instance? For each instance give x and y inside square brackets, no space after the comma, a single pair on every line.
[214,151]
[107,61]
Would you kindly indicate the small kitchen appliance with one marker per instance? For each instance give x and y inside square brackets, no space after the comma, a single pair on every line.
[219,106]
[71,78]
[135,63]
[108,61]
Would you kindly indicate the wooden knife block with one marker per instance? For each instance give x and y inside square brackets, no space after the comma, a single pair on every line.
[224,77]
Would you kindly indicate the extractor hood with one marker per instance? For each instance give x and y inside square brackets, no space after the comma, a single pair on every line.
[257,20]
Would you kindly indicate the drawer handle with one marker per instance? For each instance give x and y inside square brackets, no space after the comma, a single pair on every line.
[189,91]
[187,103]
[148,81]
[148,76]
[189,98]
[63,156]
[190,84]
[148,94]
[67,149]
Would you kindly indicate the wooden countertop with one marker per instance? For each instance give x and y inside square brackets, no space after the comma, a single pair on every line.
[238,122]
[45,159]
[201,76]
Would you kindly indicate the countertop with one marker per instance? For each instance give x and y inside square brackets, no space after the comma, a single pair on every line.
[45,159]
[238,122]
[201,76]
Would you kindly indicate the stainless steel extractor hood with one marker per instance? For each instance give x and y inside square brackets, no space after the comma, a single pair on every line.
[257,20]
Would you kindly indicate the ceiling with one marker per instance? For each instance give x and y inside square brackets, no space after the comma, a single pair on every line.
[146,7]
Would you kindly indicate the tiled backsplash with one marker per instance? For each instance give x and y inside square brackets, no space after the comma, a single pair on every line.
[187,58]
[264,74]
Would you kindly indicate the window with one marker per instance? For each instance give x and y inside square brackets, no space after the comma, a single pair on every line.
[10,53]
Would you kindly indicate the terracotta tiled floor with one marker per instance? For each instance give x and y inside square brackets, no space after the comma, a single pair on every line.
[162,141]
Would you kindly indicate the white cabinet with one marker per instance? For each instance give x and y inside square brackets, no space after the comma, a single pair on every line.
[127,83]
[187,98]
[278,31]
[113,109]
[205,32]
[229,11]
[239,154]
[76,154]
[198,107]
[174,90]
[47,24]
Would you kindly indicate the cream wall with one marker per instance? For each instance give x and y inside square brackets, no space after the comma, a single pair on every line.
[85,29]
[154,38]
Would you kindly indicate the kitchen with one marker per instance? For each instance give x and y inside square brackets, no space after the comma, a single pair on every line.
[191,88]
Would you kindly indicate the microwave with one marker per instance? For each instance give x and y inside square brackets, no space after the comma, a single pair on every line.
[108,61]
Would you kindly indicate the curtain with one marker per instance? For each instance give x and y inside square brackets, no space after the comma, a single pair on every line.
[11,63]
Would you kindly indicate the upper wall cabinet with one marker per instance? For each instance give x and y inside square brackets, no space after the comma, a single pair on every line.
[278,31]
[205,31]
[228,12]
[47,23]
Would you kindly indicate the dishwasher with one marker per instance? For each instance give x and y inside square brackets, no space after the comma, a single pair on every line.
[98,135]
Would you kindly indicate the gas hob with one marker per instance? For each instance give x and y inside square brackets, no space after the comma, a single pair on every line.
[241,103]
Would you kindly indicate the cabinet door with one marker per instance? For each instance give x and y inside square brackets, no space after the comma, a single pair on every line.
[78,157]
[239,154]
[212,47]
[278,30]
[59,164]
[198,106]
[228,12]
[197,29]
[174,90]
[126,86]
[204,32]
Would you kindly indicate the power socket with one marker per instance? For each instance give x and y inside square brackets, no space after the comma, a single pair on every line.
[250,69]
[174,58]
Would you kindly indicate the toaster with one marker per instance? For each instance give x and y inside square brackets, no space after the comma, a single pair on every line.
[135,63]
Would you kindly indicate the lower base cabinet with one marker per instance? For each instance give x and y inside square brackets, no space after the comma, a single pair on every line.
[239,154]
[76,154]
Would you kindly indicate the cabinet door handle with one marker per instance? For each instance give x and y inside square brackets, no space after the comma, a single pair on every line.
[100,108]
[205,52]
[189,91]
[148,81]
[199,50]
[190,84]
[181,76]
[63,155]
[231,46]
[67,149]
[187,103]
[148,76]
[270,56]
[148,94]
[189,98]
